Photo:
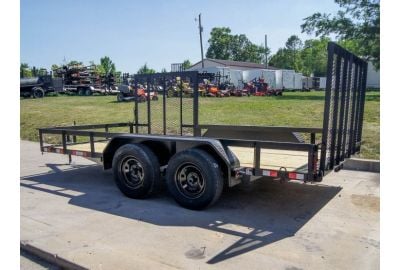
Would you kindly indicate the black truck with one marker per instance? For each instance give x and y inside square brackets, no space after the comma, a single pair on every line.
[168,142]
[38,87]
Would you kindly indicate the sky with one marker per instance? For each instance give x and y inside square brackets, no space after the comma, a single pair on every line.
[155,32]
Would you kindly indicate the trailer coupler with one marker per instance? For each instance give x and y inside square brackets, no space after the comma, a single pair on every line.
[282,175]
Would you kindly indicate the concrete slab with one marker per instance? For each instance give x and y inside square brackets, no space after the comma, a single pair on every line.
[76,212]
[359,164]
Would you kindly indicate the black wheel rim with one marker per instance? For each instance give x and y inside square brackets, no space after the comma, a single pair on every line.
[38,94]
[132,172]
[190,181]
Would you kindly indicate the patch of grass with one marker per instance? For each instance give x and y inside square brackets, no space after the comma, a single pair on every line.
[295,109]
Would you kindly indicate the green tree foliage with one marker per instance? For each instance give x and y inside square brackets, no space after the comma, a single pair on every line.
[225,46]
[74,63]
[145,70]
[358,21]
[281,59]
[308,58]
[289,57]
[293,47]
[220,43]
[314,57]
[106,66]
[54,67]
[42,71]
[186,64]
[34,71]
[24,71]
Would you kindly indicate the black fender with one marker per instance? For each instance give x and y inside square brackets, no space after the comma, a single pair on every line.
[164,147]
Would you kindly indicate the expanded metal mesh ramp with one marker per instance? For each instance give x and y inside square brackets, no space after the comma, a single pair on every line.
[344,106]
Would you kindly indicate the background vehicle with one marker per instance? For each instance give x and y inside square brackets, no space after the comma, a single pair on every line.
[38,87]
[84,80]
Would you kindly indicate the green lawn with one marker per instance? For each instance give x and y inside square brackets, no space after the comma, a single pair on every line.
[293,109]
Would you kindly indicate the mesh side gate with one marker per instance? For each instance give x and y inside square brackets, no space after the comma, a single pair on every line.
[187,105]
[169,103]
[344,106]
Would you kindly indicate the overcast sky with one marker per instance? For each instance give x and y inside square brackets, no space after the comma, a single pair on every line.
[155,32]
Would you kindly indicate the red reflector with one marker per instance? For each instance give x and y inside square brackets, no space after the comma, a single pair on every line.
[273,173]
[293,175]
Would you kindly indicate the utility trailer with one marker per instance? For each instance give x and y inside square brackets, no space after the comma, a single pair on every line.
[196,159]
[84,80]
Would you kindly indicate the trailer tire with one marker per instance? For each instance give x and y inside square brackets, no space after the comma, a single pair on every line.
[205,185]
[136,171]
[81,91]
[88,92]
[142,99]
[37,92]
[120,97]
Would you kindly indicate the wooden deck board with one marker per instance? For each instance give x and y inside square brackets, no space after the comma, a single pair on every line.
[272,159]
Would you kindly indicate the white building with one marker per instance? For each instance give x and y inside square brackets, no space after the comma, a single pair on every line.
[278,78]
[373,76]
[237,71]
[237,65]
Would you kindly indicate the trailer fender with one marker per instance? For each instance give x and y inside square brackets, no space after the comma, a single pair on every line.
[224,156]
[159,148]
[164,149]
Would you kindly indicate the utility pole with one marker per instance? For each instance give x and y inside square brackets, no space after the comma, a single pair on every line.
[266,52]
[201,41]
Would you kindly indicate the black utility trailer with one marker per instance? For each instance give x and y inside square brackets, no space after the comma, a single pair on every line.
[167,140]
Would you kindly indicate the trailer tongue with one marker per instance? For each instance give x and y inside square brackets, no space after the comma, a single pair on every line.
[198,159]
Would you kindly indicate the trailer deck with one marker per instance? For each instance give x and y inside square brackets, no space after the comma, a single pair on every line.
[272,159]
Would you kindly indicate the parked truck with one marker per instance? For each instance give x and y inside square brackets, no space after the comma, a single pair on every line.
[38,87]
[169,142]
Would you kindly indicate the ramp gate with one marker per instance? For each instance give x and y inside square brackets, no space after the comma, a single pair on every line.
[344,107]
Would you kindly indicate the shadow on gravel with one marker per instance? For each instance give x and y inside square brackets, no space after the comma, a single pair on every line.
[264,212]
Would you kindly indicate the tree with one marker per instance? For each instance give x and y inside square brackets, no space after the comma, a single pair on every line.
[54,67]
[293,46]
[24,71]
[281,59]
[359,22]
[186,64]
[164,70]
[219,41]
[225,46]
[314,57]
[145,70]
[290,56]
[42,72]
[74,63]
[106,66]
[308,59]
[34,71]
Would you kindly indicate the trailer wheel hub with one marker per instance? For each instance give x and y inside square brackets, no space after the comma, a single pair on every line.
[132,171]
[189,181]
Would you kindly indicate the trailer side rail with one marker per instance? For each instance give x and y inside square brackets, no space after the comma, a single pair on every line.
[69,133]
